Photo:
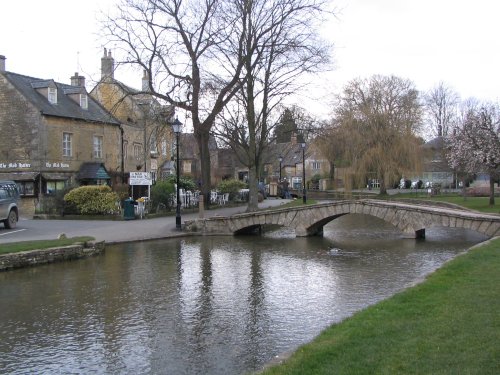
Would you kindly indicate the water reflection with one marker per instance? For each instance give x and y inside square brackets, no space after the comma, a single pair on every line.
[206,305]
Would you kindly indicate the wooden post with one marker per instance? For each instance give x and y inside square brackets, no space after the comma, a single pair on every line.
[201,206]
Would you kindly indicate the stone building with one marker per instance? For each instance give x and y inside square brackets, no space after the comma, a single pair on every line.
[148,141]
[49,131]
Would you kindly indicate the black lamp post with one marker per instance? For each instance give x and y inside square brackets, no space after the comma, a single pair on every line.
[176,127]
[280,158]
[304,198]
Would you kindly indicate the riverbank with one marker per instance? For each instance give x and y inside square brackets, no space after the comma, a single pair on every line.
[449,324]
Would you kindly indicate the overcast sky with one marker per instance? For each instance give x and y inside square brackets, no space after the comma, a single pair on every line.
[427,41]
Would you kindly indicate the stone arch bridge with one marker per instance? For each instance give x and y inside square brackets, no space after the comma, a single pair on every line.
[411,219]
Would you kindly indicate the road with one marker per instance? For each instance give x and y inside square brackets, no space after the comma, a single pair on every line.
[113,231]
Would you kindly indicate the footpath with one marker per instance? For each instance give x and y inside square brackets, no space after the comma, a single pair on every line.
[114,231]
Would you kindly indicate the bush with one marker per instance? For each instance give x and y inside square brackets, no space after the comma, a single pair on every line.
[92,200]
[232,187]
[161,194]
[185,183]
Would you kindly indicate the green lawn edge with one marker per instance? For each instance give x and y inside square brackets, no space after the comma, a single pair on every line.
[16,247]
[448,324]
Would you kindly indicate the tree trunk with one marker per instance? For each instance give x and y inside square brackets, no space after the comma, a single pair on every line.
[253,197]
[383,188]
[492,190]
[202,138]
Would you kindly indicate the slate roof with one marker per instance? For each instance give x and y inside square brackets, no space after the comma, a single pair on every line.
[65,107]
[92,171]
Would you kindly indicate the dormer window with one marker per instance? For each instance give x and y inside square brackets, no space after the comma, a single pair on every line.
[84,102]
[52,95]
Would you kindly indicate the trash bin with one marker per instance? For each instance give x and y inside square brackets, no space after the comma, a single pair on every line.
[128,209]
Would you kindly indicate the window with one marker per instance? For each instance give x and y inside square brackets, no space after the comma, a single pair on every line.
[97,147]
[84,102]
[296,183]
[316,165]
[53,186]
[26,187]
[137,152]
[52,95]
[125,150]
[186,166]
[66,144]
[164,148]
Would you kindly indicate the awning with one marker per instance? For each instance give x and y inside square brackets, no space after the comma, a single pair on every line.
[19,176]
[93,171]
[55,176]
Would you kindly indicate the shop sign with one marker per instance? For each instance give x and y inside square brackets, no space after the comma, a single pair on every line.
[56,165]
[140,178]
[19,165]
[14,165]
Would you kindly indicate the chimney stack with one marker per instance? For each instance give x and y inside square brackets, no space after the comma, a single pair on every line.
[145,81]
[78,80]
[2,63]
[107,65]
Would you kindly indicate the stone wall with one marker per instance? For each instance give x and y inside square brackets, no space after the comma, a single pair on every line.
[55,254]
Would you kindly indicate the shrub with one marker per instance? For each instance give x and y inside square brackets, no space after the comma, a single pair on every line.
[231,186]
[185,183]
[161,194]
[92,200]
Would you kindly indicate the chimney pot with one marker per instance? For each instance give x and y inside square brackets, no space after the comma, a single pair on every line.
[107,65]
[78,80]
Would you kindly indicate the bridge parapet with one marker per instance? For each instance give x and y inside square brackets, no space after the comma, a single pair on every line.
[308,220]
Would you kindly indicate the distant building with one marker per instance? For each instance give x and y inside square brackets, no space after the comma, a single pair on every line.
[435,167]
[50,131]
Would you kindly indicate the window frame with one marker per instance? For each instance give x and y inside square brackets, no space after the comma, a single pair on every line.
[52,95]
[67,144]
[97,147]
[84,101]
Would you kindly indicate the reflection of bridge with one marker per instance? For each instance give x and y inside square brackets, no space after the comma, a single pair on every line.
[411,219]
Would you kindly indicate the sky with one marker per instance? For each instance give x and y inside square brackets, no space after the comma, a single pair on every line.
[427,41]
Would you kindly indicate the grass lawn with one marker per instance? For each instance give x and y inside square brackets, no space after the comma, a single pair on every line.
[40,244]
[474,203]
[480,204]
[449,324]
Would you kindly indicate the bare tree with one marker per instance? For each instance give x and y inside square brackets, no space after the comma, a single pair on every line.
[280,45]
[382,115]
[475,145]
[441,104]
[192,52]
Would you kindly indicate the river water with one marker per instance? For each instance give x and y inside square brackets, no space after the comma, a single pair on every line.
[211,305]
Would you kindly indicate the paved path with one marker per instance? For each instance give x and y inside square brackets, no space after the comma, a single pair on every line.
[113,231]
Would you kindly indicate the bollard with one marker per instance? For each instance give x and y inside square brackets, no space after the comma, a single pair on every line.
[201,206]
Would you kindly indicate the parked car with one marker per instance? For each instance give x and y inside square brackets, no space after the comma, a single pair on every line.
[9,212]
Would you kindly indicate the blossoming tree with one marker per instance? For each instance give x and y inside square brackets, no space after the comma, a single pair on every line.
[475,145]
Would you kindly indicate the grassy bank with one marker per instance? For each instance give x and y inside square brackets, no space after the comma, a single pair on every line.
[450,324]
[40,244]
[480,204]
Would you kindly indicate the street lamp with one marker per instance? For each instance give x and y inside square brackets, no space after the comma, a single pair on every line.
[176,127]
[280,158]
[304,198]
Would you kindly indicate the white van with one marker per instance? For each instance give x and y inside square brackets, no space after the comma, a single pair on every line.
[9,194]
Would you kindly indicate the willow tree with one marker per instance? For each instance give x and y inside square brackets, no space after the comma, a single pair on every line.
[382,115]
[334,141]
[192,53]
[281,44]
[475,145]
